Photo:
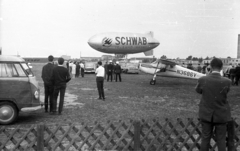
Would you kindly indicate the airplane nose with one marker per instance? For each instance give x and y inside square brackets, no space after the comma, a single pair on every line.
[143,67]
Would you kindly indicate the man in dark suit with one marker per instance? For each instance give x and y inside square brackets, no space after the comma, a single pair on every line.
[214,110]
[106,70]
[237,74]
[48,86]
[77,69]
[232,74]
[60,77]
[199,68]
[110,70]
[118,70]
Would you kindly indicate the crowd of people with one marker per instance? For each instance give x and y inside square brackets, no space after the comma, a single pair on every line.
[75,68]
[113,71]
[233,73]
[56,77]
[205,69]
[214,109]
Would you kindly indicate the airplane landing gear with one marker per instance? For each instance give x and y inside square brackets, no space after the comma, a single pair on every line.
[152,82]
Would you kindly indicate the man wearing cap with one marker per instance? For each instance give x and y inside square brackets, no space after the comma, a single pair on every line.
[117,71]
[110,70]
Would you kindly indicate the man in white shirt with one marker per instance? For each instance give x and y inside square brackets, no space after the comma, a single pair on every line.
[82,69]
[73,70]
[100,72]
[227,71]
[70,67]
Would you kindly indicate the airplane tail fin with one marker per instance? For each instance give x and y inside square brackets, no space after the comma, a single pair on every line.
[148,53]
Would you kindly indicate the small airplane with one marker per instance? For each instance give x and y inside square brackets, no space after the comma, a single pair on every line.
[167,68]
[124,43]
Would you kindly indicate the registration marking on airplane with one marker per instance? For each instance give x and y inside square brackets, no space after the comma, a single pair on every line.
[186,73]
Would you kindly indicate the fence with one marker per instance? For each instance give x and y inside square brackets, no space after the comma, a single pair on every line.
[151,135]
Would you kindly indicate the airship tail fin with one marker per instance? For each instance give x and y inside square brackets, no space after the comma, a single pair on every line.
[148,53]
[150,33]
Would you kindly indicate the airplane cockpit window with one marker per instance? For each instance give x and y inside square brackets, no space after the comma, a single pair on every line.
[162,67]
[163,70]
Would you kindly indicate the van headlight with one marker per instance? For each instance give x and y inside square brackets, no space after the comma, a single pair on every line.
[36,95]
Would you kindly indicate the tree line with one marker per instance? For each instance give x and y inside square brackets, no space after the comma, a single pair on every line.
[200,59]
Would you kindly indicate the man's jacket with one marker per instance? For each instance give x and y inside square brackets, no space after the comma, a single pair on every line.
[110,67]
[237,70]
[47,73]
[214,105]
[117,69]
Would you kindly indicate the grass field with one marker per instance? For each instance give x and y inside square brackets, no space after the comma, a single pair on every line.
[133,98]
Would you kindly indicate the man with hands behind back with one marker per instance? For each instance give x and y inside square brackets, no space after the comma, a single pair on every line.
[214,110]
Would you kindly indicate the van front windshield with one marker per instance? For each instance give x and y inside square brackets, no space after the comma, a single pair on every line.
[27,69]
[89,65]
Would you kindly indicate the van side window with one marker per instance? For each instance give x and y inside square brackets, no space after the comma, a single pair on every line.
[11,70]
[27,69]
[7,70]
[3,72]
[20,71]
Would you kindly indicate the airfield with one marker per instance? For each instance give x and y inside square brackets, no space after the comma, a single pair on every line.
[133,98]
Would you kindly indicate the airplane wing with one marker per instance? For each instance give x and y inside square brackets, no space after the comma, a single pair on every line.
[167,62]
[158,64]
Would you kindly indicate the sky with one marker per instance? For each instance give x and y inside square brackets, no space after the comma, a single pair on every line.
[40,28]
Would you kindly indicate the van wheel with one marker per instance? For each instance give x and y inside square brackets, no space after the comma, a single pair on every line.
[8,113]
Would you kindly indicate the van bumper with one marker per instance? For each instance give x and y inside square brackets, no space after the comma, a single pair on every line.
[31,109]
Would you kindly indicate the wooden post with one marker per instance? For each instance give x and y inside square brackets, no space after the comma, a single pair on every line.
[40,137]
[136,139]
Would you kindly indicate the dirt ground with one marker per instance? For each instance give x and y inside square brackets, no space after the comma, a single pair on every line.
[133,98]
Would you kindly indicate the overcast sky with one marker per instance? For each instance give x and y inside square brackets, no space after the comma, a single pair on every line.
[62,27]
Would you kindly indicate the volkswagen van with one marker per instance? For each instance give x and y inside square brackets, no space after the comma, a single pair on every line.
[129,67]
[90,67]
[19,89]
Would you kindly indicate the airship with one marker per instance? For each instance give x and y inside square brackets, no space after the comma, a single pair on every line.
[124,43]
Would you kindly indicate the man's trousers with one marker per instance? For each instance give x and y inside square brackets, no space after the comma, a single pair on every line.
[58,89]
